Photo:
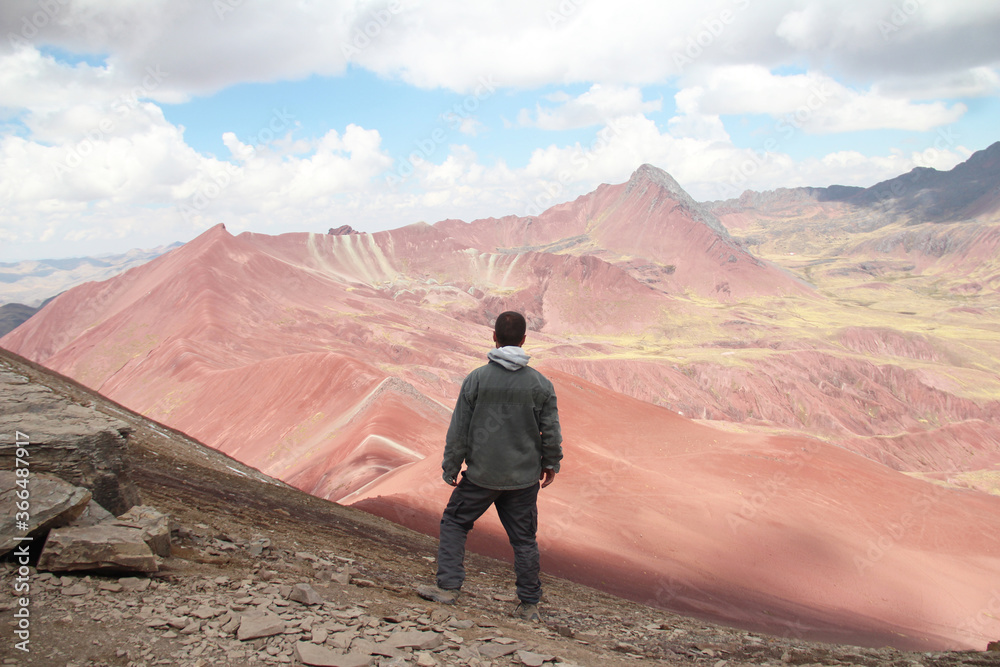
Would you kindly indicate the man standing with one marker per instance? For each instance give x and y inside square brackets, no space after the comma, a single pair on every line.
[506,429]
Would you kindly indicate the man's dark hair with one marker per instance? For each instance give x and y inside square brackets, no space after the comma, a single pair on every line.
[510,328]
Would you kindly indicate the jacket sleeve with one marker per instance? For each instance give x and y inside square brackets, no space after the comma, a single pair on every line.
[457,441]
[551,434]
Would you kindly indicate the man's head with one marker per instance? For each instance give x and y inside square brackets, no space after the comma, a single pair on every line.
[509,329]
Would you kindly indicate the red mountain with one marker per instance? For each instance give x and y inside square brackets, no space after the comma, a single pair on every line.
[333,361]
[650,227]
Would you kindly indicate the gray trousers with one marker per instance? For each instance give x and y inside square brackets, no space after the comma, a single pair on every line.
[518,512]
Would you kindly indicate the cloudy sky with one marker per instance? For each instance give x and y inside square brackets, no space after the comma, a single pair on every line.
[134,123]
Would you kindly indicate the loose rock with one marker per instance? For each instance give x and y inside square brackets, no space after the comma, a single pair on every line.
[101,547]
[534,659]
[305,594]
[155,527]
[413,639]
[92,515]
[493,651]
[310,654]
[254,627]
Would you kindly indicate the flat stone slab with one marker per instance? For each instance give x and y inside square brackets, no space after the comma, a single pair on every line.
[51,503]
[206,612]
[493,651]
[531,659]
[311,654]
[255,627]
[413,639]
[101,547]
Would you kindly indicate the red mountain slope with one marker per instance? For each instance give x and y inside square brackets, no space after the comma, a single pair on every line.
[332,362]
[773,533]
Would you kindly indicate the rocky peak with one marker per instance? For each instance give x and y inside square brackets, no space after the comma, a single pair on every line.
[647,176]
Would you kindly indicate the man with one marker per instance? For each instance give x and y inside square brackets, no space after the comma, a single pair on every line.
[506,429]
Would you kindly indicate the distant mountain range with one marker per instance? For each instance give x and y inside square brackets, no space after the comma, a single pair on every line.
[968,191]
[781,411]
[30,283]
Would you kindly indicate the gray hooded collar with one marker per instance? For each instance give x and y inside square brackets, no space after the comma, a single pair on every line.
[510,357]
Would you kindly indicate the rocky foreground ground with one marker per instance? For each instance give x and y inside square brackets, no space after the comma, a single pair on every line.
[260,573]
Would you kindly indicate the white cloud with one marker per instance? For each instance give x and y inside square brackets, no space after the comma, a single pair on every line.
[973,82]
[594,107]
[101,175]
[149,182]
[813,102]
[207,46]
[471,126]
[29,79]
[708,168]
[201,46]
[90,156]
[273,188]
[867,41]
[828,26]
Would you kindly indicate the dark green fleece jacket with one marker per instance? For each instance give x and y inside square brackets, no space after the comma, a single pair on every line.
[505,427]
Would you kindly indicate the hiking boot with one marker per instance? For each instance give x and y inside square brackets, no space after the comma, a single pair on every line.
[437,594]
[527,612]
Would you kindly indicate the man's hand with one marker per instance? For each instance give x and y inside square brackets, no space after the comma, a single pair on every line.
[449,480]
[547,477]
